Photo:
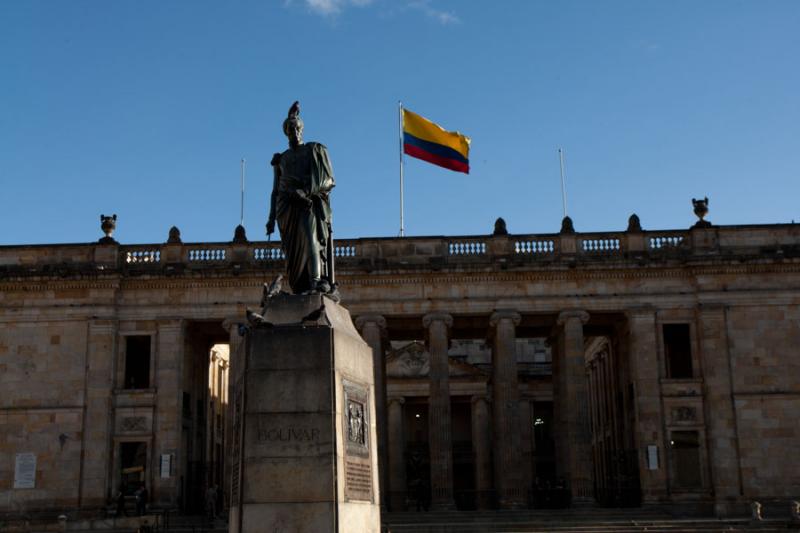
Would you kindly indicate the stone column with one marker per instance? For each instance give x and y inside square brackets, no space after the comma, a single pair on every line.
[97,443]
[373,330]
[721,422]
[643,361]
[440,436]
[397,463]
[235,365]
[169,400]
[505,411]
[482,447]
[574,399]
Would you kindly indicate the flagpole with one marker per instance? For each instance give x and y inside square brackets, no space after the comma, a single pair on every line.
[241,210]
[400,122]
[563,186]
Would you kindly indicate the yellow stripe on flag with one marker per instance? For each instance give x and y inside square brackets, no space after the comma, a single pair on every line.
[426,130]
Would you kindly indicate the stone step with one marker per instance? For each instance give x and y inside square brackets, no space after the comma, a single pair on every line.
[665,526]
[539,529]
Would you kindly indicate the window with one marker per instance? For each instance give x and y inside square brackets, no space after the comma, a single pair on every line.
[685,446]
[678,351]
[137,362]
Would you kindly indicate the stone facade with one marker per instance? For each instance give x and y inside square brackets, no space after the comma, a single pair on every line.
[642,367]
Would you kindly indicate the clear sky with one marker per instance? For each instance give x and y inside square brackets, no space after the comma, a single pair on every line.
[144,109]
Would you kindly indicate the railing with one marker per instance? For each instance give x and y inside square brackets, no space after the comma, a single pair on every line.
[142,256]
[207,255]
[433,252]
[344,250]
[662,241]
[466,247]
[601,245]
[535,246]
[273,253]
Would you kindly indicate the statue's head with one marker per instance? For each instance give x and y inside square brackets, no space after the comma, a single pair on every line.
[293,126]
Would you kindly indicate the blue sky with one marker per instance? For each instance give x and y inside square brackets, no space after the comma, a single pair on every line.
[145,108]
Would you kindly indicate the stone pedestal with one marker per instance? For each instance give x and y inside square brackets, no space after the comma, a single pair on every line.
[304,440]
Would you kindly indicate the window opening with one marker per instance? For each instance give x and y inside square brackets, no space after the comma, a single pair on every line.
[137,362]
[678,351]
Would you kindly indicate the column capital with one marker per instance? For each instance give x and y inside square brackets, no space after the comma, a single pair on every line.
[430,318]
[103,324]
[643,312]
[709,310]
[504,314]
[170,323]
[229,323]
[370,318]
[580,314]
[480,398]
[399,399]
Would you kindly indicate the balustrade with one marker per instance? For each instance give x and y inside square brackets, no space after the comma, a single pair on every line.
[535,247]
[601,245]
[273,253]
[658,242]
[466,248]
[207,255]
[344,250]
[381,252]
[142,256]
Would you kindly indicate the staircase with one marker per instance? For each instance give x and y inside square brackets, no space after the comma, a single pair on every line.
[567,521]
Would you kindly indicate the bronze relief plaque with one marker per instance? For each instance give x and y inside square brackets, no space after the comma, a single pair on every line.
[356,429]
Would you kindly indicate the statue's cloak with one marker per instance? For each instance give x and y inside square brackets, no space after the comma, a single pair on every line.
[305,229]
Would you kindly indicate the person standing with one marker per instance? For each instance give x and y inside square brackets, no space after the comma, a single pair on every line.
[141,500]
[211,502]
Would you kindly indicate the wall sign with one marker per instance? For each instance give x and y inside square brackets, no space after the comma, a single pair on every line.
[25,471]
[166,465]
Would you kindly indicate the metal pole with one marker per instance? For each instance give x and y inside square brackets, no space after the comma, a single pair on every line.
[563,186]
[241,211]
[400,109]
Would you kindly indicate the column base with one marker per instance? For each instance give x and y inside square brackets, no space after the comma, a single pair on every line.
[397,501]
[511,500]
[583,502]
[449,505]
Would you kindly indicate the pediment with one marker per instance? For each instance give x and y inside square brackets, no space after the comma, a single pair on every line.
[413,361]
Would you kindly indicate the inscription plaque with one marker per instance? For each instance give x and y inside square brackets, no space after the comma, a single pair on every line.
[356,427]
[25,471]
[288,435]
[358,480]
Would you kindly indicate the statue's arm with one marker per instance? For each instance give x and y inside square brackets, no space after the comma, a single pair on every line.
[276,171]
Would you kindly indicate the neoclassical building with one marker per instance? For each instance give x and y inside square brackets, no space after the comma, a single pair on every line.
[610,369]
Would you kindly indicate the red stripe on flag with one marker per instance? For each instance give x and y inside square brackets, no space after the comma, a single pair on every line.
[438,160]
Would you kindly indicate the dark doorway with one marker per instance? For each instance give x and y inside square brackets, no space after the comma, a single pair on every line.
[463,459]
[614,458]
[685,446]
[418,466]
[133,465]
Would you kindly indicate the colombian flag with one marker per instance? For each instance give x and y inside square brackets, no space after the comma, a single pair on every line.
[427,141]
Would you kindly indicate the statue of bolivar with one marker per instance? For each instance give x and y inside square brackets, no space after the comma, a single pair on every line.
[300,203]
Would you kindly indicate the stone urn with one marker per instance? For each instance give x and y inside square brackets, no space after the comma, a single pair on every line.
[108,225]
[701,210]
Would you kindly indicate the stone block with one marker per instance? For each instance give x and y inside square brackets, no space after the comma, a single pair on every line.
[304,442]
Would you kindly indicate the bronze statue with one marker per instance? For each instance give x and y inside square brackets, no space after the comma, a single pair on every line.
[300,203]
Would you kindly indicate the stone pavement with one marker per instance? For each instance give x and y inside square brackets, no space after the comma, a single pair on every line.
[568,521]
